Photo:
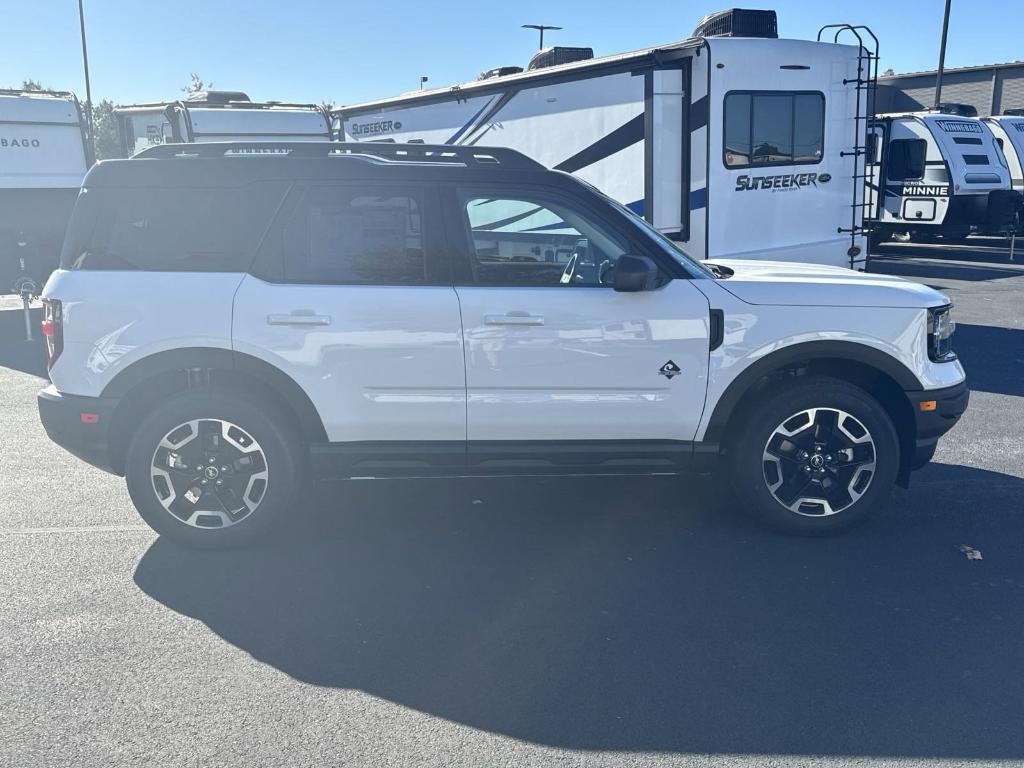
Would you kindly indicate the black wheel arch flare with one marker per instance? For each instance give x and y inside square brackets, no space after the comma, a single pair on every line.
[809,353]
[178,369]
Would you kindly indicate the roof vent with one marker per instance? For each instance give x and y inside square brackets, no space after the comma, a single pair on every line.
[738,22]
[499,72]
[960,110]
[559,54]
[218,97]
[1015,112]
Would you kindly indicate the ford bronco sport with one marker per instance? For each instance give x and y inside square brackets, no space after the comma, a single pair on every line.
[233,321]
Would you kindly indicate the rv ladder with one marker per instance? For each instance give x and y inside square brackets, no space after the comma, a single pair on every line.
[865,85]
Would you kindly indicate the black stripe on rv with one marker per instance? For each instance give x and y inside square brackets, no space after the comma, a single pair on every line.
[469,123]
[486,122]
[699,114]
[506,222]
[624,136]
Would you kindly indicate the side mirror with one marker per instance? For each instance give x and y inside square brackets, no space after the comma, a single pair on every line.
[635,273]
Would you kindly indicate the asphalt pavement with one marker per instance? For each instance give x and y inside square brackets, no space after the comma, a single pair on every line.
[530,622]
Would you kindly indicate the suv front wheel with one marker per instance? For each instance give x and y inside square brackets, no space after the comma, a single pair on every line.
[211,470]
[814,455]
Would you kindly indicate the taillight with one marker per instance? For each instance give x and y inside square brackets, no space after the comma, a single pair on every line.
[53,330]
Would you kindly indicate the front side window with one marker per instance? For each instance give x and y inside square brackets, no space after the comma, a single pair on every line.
[357,235]
[906,159]
[527,240]
[774,129]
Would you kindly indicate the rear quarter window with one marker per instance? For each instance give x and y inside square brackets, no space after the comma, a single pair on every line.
[203,229]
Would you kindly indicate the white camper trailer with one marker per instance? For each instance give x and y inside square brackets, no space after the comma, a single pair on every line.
[218,116]
[1009,132]
[933,174]
[44,154]
[743,147]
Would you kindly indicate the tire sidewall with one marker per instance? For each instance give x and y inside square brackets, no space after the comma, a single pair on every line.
[780,404]
[262,422]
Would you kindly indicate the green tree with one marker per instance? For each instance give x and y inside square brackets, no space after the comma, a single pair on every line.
[104,126]
[32,85]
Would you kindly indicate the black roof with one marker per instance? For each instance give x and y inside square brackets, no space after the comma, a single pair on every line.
[236,163]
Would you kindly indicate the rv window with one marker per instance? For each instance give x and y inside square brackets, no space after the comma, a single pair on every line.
[356,235]
[773,129]
[527,241]
[170,229]
[906,159]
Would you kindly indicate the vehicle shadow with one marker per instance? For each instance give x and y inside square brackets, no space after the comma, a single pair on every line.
[930,263]
[993,358]
[15,352]
[641,614]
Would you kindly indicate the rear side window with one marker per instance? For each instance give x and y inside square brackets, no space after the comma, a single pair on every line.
[206,229]
[361,234]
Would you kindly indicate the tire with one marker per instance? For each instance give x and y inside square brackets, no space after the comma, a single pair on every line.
[174,484]
[817,479]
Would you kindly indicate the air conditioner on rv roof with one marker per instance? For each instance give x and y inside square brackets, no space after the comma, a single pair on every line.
[559,54]
[218,97]
[961,110]
[499,72]
[738,22]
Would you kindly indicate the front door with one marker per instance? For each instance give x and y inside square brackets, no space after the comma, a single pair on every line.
[557,362]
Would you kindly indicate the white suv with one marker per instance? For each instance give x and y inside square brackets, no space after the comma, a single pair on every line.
[231,321]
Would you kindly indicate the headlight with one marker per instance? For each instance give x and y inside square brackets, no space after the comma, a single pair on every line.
[940,334]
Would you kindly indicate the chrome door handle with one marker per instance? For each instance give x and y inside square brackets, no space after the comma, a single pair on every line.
[298,318]
[514,318]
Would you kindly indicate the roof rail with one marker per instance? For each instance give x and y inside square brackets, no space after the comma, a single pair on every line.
[429,153]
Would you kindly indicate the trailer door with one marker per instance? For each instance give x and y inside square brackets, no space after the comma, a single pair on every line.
[667,149]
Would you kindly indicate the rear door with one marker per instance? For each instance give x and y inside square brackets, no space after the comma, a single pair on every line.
[561,368]
[354,301]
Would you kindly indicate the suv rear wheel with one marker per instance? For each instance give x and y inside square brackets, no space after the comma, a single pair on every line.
[212,470]
[815,455]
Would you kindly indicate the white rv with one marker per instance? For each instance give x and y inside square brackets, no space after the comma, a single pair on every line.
[44,154]
[739,147]
[1009,132]
[218,116]
[933,174]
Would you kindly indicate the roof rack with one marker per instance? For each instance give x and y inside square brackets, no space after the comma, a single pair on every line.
[412,153]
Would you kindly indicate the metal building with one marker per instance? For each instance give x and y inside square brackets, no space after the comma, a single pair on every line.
[989,88]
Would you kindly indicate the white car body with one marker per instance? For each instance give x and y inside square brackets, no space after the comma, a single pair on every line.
[388,352]
[416,310]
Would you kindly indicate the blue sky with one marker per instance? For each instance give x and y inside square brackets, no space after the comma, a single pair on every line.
[312,50]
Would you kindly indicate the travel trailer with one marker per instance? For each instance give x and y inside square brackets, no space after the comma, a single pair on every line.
[936,174]
[218,116]
[733,143]
[44,154]
[1008,130]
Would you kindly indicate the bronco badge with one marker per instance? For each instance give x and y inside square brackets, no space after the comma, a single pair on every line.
[670,369]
